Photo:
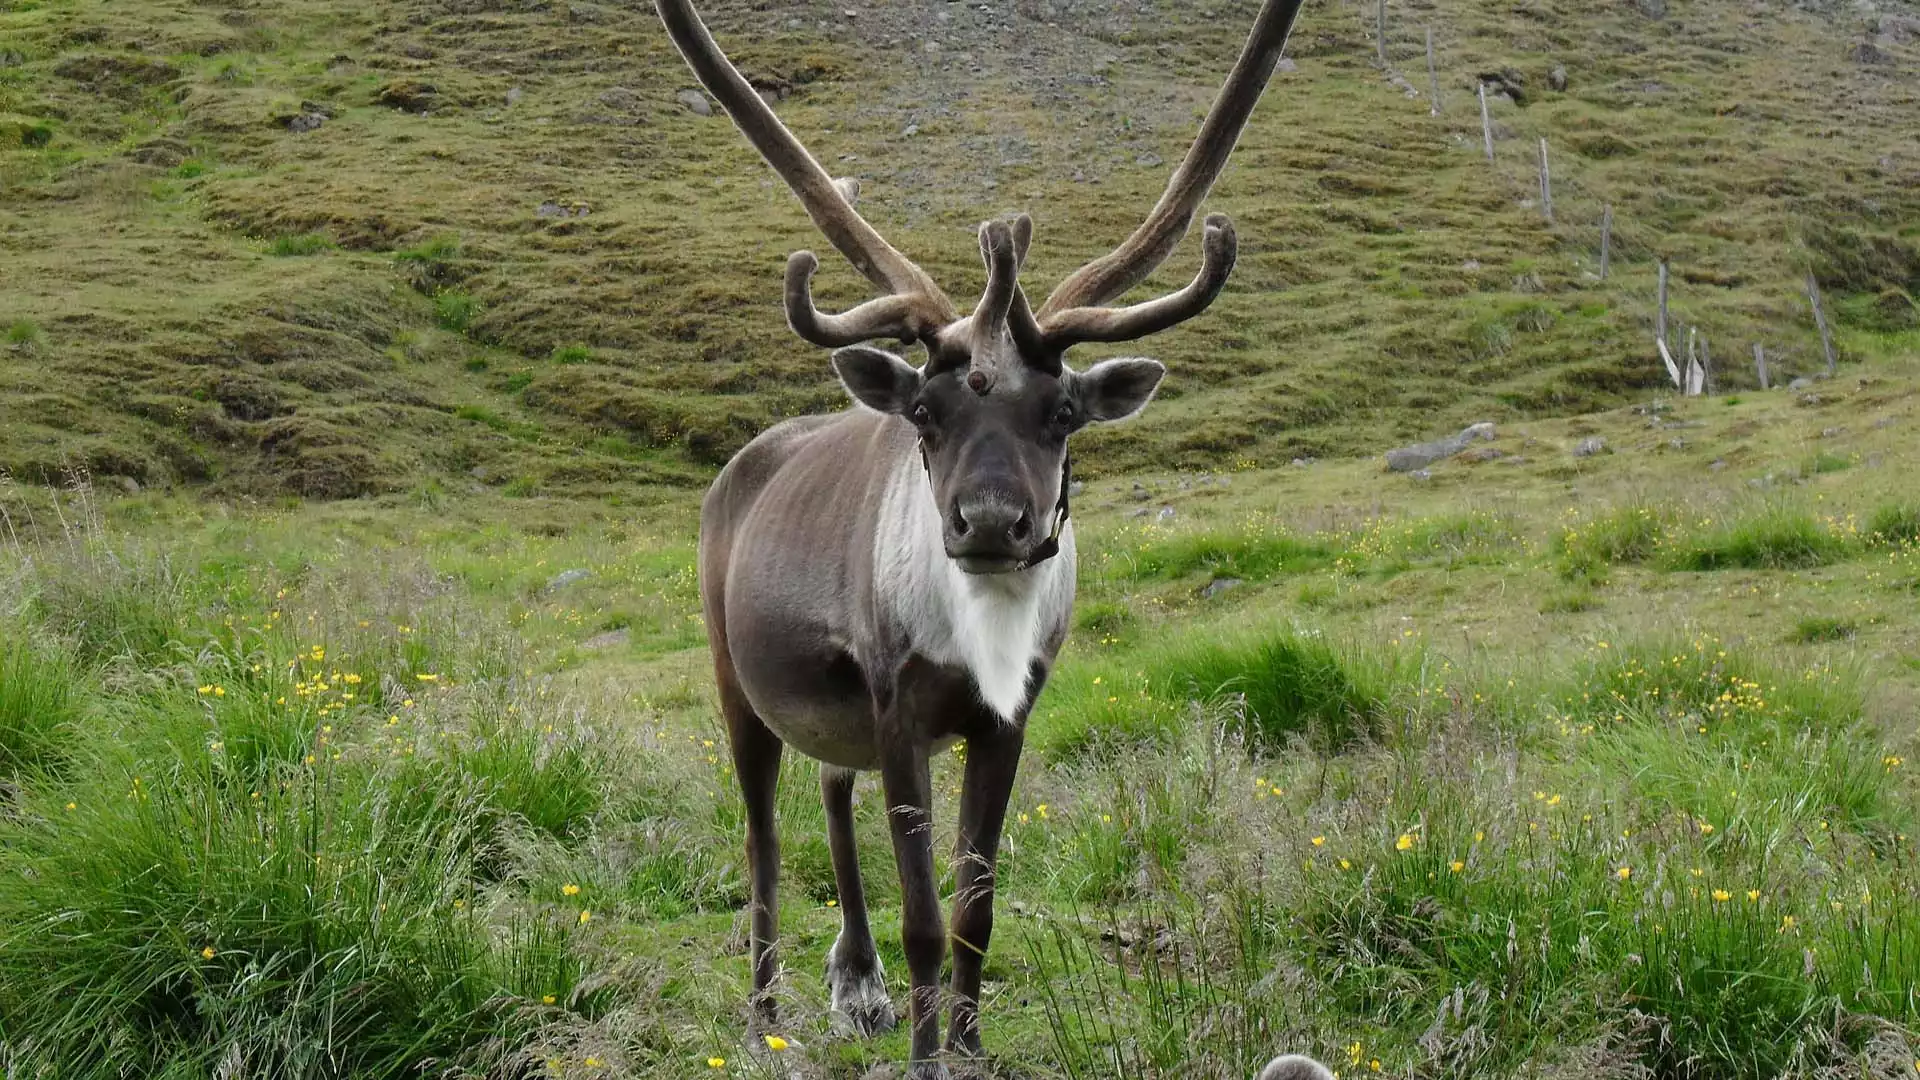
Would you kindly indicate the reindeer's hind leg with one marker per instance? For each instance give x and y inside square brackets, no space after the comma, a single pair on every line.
[859,987]
[756,760]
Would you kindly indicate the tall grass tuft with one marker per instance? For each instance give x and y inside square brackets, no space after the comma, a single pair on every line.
[1776,537]
[1895,525]
[1632,533]
[1286,683]
[161,914]
[40,703]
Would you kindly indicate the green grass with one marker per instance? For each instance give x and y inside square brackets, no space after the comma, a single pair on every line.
[1773,537]
[455,311]
[24,334]
[1895,524]
[42,691]
[1818,628]
[301,244]
[166,128]
[329,712]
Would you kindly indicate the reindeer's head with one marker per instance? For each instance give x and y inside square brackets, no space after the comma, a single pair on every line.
[995,403]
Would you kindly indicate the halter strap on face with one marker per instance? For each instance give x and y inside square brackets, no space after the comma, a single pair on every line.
[1051,545]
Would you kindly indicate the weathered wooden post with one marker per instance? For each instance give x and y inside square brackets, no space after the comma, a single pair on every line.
[1660,325]
[1546,184]
[1820,320]
[1606,239]
[1706,367]
[1433,74]
[1383,34]
[1760,365]
[1696,375]
[1486,123]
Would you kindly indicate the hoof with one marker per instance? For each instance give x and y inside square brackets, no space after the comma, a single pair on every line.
[928,1070]
[1294,1067]
[861,1007]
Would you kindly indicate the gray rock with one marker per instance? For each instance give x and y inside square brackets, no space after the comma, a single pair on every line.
[1075,489]
[305,122]
[567,577]
[1870,54]
[1165,515]
[1589,446]
[1140,492]
[695,102]
[1557,78]
[610,639]
[1900,29]
[1302,462]
[1800,383]
[1286,66]
[1421,455]
[514,94]
[620,97]
[1420,476]
[1219,585]
[128,484]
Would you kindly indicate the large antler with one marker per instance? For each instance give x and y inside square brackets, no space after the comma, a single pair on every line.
[1072,312]
[915,308]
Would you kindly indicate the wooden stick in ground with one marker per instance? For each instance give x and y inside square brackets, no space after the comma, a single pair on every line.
[1606,239]
[1660,323]
[1486,122]
[1673,369]
[1760,365]
[1433,75]
[1820,320]
[1706,366]
[1695,377]
[1546,184]
[1383,34]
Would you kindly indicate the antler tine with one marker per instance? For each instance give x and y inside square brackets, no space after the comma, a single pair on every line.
[907,317]
[1002,256]
[1020,321]
[1075,325]
[1112,275]
[831,210]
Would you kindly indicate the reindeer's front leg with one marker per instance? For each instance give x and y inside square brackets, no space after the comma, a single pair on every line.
[993,757]
[909,791]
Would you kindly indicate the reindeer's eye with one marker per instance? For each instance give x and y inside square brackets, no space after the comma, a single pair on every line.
[1063,415]
[920,416]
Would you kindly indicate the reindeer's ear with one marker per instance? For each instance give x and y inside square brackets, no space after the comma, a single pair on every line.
[876,378]
[1116,389]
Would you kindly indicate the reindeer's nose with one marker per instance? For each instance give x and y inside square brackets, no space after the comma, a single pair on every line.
[986,522]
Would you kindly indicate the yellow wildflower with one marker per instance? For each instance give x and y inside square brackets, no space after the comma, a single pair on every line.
[1721,896]
[1405,842]
[1456,866]
[716,1063]
[569,889]
[1319,841]
[1623,873]
[546,999]
[206,953]
[775,1042]
[584,916]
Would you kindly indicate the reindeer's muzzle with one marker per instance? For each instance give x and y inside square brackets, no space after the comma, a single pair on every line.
[988,533]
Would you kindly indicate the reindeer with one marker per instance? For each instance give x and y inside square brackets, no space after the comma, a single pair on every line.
[882,583]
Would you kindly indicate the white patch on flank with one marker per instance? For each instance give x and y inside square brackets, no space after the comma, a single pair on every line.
[993,625]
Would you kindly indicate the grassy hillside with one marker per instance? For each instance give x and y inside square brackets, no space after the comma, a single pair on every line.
[1547,765]
[508,256]
[362,366]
